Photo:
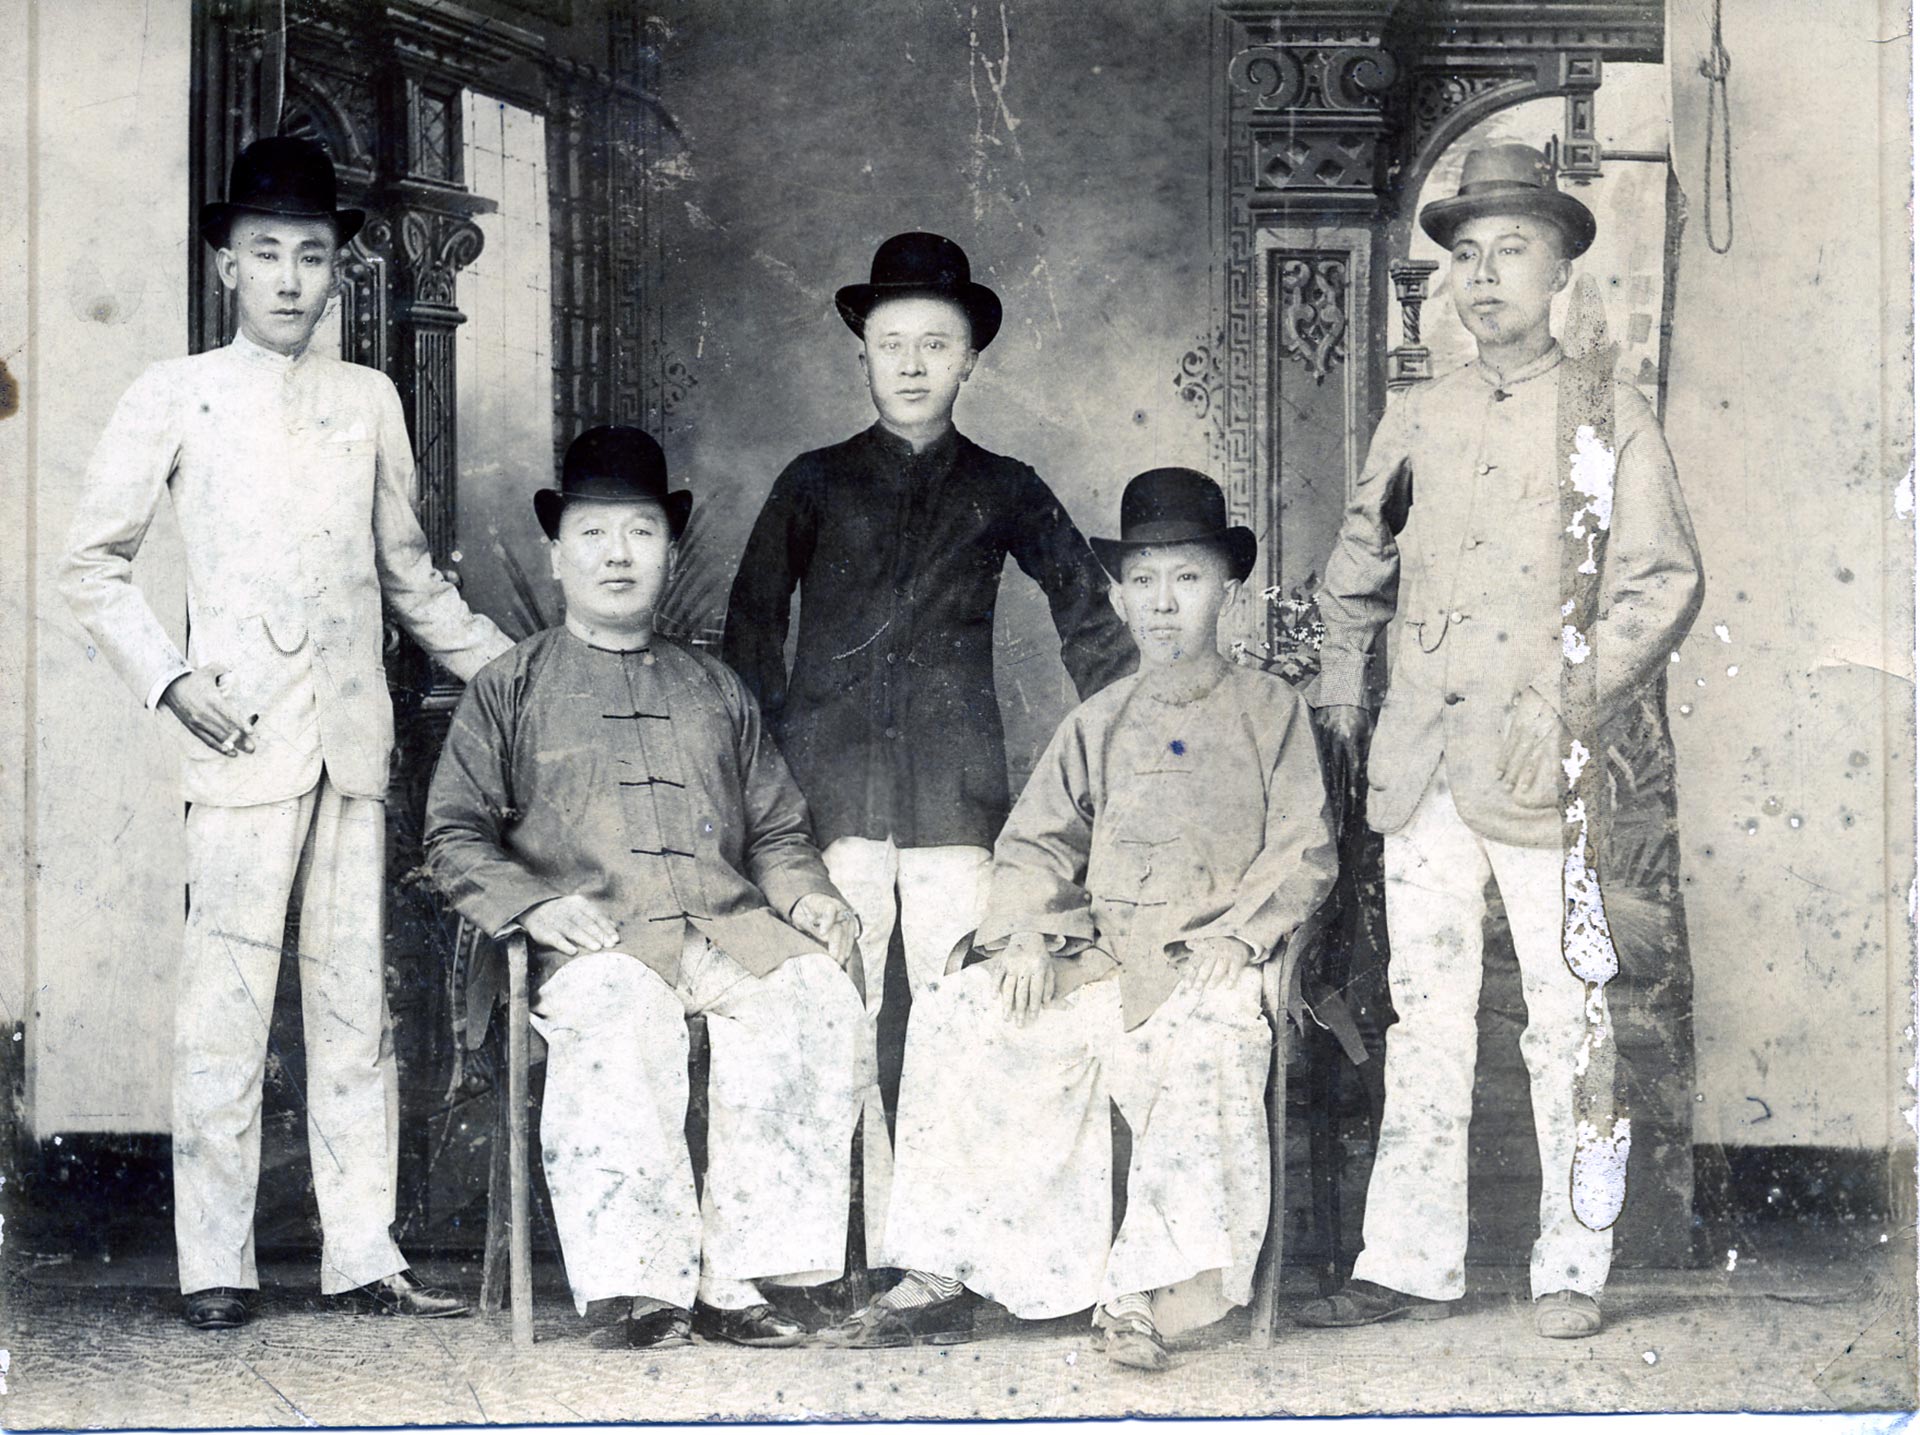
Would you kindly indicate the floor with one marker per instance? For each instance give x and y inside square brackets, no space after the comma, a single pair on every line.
[1796,1322]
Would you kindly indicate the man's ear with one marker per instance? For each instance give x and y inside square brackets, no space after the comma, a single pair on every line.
[1230,589]
[553,558]
[863,365]
[966,372]
[227,265]
[1562,275]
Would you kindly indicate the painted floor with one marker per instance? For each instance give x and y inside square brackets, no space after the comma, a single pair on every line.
[1822,1324]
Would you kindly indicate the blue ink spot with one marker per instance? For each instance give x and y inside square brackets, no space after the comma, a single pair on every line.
[1179,747]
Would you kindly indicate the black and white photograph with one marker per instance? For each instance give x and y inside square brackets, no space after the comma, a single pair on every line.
[968,710]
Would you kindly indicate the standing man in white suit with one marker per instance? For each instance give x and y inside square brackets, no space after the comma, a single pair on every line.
[291,475]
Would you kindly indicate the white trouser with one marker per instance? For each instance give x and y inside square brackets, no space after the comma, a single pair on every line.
[1416,1222]
[940,894]
[1005,1148]
[789,1062]
[243,865]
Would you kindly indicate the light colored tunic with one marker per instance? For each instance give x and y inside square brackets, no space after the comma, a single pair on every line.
[292,479]
[1150,824]
[1469,590]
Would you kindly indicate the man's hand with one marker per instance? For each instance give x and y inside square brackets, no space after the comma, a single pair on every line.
[195,698]
[829,920]
[1026,977]
[570,926]
[1215,961]
[1536,743]
[1349,728]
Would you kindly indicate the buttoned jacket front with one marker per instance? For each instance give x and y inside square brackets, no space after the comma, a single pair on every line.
[1469,591]
[292,480]
[642,780]
[890,719]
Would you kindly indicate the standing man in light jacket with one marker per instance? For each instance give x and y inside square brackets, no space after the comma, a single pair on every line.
[896,538]
[1466,772]
[291,475]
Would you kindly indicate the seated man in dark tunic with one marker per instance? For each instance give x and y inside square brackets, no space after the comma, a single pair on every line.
[615,795]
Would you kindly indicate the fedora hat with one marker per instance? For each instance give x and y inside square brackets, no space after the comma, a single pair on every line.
[915,264]
[1509,179]
[280,175]
[618,463]
[1175,505]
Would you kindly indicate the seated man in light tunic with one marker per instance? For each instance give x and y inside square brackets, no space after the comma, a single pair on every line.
[615,795]
[1173,835]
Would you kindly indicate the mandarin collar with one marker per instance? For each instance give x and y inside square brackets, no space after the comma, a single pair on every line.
[1176,689]
[586,640]
[244,348]
[1533,369]
[938,454]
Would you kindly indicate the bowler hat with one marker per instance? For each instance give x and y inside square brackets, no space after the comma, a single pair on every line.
[1509,179]
[1175,505]
[281,175]
[914,264]
[618,463]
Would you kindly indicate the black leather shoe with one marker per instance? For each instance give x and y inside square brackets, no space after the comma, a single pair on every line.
[217,1308]
[756,1325]
[403,1294]
[1367,1303]
[659,1329]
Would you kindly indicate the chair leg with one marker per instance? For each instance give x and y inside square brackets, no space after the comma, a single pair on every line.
[520,1265]
[1266,1278]
[493,1265]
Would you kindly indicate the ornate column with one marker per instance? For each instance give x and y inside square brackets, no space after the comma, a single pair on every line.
[1409,363]
[1308,131]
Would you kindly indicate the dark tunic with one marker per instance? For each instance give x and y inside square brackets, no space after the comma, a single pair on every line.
[642,780]
[889,719]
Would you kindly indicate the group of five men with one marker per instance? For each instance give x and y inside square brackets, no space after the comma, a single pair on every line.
[676,832]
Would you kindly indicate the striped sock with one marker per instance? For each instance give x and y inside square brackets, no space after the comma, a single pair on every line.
[917,1289]
[1136,1306]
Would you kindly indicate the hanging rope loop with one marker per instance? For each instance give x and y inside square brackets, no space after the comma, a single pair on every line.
[1715,67]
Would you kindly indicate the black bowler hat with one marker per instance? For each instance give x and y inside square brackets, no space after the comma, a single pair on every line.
[1175,505]
[917,264]
[280,175]
[618,463]
[1509,179]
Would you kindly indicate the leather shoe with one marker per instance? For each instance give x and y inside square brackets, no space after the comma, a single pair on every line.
[659,1329]
[755,1325]
[217,1308]
[403,1293]
[1365,1303]
[1566,1315]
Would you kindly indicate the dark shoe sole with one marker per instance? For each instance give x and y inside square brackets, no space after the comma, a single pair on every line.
[217,1322]
[208,1311]
[893,1335]
[1436,1310]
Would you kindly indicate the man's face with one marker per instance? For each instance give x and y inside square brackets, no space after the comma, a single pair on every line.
[916,354]
[1171,598]
[1506,269]
[281,274]
[613,559]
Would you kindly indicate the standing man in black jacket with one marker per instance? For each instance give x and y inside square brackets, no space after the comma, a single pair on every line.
[898,535]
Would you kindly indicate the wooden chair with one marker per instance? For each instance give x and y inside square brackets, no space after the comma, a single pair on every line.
[506,1270]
